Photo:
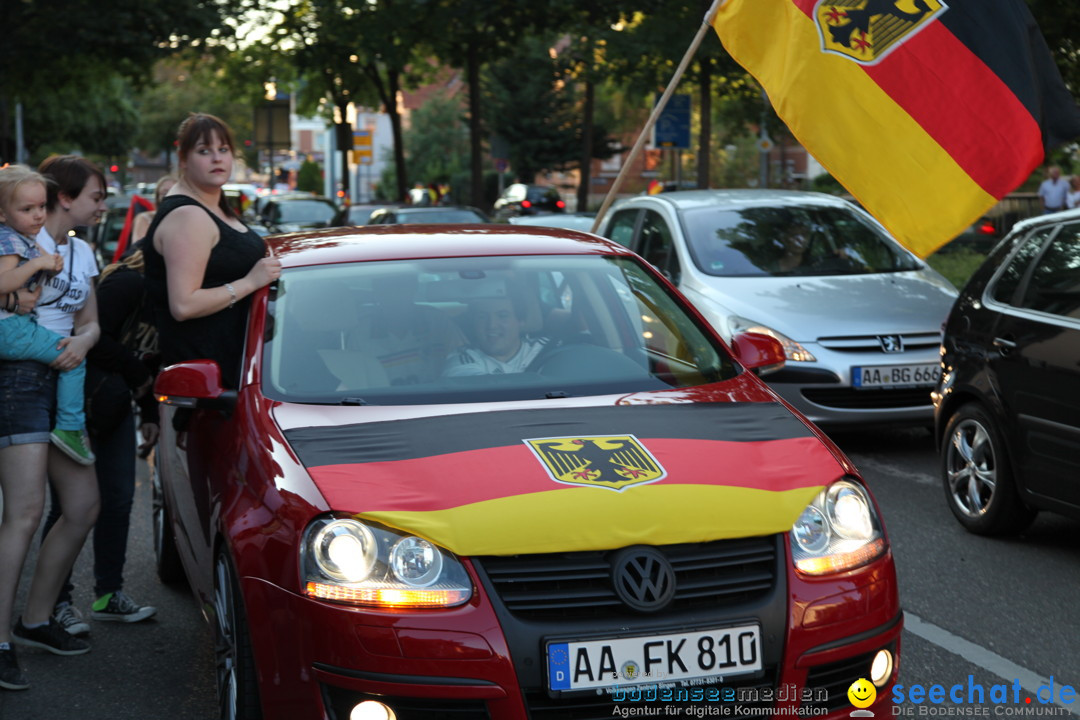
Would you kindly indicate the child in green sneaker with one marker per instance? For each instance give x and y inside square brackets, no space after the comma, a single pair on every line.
[22,264]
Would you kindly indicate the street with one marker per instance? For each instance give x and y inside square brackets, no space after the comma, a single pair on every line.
[999,611]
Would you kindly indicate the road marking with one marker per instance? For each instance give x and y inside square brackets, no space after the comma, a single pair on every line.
[887,468]
[978,655]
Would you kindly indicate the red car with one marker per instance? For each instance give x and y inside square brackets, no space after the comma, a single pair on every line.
[508,472]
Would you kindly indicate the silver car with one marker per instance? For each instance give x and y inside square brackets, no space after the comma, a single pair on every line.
[859,315]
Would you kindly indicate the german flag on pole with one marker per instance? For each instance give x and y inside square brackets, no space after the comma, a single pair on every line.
[927,111]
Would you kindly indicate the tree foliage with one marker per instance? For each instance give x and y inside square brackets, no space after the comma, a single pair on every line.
[54,55]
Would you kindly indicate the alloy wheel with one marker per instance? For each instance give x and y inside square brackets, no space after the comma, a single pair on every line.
[971,465]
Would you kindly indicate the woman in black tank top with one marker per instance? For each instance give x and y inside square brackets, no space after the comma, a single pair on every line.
[202,263]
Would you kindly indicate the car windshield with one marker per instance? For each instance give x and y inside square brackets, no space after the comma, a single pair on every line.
[480,329]
[791,240]
[303,211]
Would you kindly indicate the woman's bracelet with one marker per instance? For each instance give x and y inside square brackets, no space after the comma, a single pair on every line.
[232,294]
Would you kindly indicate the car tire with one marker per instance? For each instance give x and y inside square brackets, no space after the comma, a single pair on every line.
[978,480]
[167,562]
[237,684]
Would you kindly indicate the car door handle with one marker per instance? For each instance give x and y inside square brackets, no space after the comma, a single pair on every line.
[1004,345]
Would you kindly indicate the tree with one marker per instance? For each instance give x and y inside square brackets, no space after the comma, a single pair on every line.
[93,112]
[193,83]
[589,26]
[356,51]
[309,177]
[531,110]
[125,36]
[469,34]
[437,140]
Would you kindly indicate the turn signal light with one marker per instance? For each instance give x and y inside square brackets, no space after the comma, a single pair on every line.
[839,562]
[386,597]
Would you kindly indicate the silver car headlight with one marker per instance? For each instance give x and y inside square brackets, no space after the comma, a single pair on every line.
[836,532]
[792,349]
[347,560]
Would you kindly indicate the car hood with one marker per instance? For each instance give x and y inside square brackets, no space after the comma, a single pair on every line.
[808,308]
[571,478]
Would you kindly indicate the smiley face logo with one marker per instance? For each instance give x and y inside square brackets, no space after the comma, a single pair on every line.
[862,693]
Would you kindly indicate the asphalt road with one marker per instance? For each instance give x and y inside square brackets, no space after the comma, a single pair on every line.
[998,611]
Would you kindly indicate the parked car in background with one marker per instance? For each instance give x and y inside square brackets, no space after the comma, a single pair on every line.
[292,212]
[359,213]
[380,522]
[105,236]
[241,196]
[582,221]
[438,214]
[1008,404]
[859,315]
[523,199]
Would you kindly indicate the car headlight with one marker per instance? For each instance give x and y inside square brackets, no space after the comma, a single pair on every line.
[836,532]
[347,560]
[792,349]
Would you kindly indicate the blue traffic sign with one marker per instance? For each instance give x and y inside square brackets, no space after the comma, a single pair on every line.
[672,128]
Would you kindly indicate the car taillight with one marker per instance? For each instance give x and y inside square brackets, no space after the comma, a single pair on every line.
[526,204]
[560,204]
[987,228]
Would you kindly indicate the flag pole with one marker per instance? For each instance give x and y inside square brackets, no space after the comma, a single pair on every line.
[706,23]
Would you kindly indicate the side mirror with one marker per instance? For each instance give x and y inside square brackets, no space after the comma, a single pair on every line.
[195,384]
[755,351]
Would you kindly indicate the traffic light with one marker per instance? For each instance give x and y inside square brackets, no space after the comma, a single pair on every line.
[114,168]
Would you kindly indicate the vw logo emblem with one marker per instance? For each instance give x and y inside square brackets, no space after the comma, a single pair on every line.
[891,343]
[643,578]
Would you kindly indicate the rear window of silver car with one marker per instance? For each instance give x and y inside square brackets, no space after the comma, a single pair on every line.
[791,240]
[438,331]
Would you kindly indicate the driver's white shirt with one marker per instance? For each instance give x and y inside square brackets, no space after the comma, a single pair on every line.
[471,361]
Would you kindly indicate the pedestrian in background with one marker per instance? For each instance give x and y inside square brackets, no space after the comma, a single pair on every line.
[1053,190]
[119,369]
[1072,199]
[142,221]
[66,305]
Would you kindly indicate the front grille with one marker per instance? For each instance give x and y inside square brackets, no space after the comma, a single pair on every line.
[835,678]
[339,703]
[852,399]
[872,343]
[578,585]
[748,694]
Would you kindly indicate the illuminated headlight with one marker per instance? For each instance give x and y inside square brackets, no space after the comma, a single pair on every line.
[792,350]
[838,531]
[350,561]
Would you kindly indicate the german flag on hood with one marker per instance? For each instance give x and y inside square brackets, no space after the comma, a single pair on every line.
[569,479]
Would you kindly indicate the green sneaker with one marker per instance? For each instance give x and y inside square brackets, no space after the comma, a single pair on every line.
[75,444]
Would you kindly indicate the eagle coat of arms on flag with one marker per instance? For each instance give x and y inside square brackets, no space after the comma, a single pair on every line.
[611,461]
[868,30]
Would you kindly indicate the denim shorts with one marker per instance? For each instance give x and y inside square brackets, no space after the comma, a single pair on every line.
[27,402]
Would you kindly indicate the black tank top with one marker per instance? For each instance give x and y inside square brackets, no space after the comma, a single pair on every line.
[219,336]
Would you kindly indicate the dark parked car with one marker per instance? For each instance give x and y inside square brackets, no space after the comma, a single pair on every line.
[359,213]
[293,212]
[522,199]
[105,236]
[582,221]
[1008,404]
[412,215]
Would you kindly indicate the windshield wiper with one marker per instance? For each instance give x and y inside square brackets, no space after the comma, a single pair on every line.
[353,401]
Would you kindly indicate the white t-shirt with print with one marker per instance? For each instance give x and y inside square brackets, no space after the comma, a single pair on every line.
[472,361]
[67,292]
